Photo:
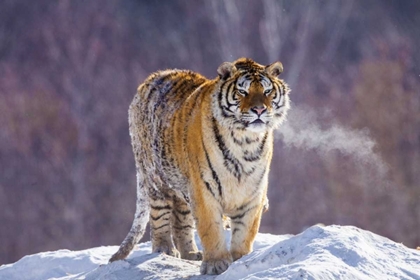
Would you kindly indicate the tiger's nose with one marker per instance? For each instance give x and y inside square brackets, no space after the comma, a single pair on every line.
[259,109]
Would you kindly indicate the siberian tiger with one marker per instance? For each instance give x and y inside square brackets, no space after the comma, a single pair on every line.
[202,150]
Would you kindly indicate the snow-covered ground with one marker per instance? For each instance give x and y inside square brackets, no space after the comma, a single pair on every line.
[331,252]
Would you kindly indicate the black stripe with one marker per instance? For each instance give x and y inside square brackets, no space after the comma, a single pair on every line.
[276,90]
[186,212]
[235,140]
[213,173]
[243,206]
[241,142]
[150,85]
[186,197]
[257,155]
[247,77]
[168,207]
[182,227]
[238,223]
[228,92]
[283,87]
[162,226]
[225,115]
[158,217]
[282,93]
[229,88]
[261,177]
[229,105]
[209,188]
[253,157]
[220,97]
[248,173]
[185,87]
[240,216]
[257,187]
[228,158]
[249,141]
[262,77]
[201,174]
[176,216]
[276,87]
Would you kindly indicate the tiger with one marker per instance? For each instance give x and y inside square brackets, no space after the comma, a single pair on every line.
[202,151]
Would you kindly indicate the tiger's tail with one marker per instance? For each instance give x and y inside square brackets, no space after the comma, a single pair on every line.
[141,218]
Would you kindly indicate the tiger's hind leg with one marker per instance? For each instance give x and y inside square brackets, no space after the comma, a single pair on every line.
[160,226]
[183,231]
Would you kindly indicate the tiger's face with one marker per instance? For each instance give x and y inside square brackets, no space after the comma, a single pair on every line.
[251,97]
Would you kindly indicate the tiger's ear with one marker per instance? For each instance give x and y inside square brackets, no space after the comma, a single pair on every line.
[225,70]
[274,69]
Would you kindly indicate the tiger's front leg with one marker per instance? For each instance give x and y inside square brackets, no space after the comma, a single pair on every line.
[245,224]
[209,223]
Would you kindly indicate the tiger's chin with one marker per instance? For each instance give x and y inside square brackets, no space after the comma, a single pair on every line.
[257,126]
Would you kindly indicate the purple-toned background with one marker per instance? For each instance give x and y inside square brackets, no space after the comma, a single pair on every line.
[349,153]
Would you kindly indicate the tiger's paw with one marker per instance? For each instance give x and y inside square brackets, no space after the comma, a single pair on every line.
[236,255]
[171,251]
[217,266]
[193,256]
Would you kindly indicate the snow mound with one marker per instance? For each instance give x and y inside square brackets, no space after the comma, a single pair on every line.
[332,252]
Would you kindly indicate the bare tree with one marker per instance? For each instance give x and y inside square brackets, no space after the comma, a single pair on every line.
[229,26]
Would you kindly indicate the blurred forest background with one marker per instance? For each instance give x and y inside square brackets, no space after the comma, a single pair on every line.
[349,153]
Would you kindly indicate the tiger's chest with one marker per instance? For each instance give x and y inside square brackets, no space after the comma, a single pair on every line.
[236,193]
[237,168]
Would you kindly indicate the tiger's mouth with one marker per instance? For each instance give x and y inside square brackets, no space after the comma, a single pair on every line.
[255,123]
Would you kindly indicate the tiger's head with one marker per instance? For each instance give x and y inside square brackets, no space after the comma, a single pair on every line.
[250,96]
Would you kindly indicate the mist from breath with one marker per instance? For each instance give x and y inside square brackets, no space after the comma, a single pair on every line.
[305,129]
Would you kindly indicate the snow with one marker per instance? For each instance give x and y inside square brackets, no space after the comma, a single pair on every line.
[331,252]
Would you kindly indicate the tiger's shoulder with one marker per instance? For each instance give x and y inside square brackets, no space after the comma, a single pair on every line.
[163,93]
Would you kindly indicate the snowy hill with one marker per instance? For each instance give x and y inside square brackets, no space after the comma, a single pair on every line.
[332,252]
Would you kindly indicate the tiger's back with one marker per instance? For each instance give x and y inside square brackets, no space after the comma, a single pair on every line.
[152,119]
[203,150]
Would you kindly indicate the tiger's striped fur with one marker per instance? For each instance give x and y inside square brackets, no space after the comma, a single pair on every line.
[202,150]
